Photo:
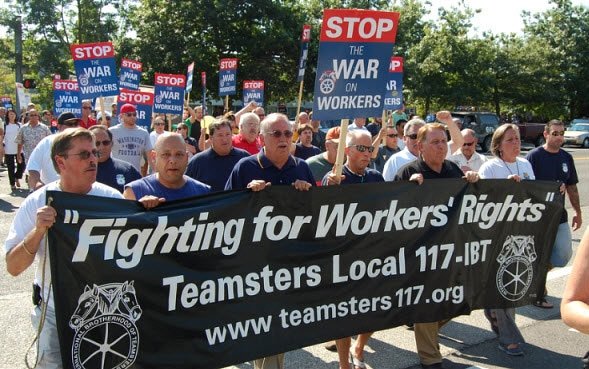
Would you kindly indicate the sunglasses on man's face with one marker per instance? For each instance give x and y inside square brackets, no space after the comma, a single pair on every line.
[392,135]
[468,144]
[85,155]
[103,143]
[412,136]
[363,148]
[557,133]
[278,134]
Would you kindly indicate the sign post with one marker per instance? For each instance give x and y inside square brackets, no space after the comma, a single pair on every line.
[189,75]
[305,38]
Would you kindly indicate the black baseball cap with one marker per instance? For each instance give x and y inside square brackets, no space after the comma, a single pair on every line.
[68,118]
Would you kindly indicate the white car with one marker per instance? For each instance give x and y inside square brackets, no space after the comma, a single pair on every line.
[577,134]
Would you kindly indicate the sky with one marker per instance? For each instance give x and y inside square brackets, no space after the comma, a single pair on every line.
[499,16]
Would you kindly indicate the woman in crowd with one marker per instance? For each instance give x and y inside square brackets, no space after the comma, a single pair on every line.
[15,169]
[191,143]
[506,147]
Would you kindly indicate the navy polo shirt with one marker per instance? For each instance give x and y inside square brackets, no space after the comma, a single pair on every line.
[213,169]
[260,167]
[305,152]
[449,170]
[116,173]
[370,176]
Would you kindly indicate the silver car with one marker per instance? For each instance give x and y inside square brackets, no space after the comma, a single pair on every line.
[577,134]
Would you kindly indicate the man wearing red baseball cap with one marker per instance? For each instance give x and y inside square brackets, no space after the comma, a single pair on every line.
[131,143]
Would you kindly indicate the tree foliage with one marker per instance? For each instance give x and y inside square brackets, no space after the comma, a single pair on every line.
[542,72]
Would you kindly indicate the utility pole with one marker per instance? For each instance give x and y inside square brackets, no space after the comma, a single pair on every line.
[18,56]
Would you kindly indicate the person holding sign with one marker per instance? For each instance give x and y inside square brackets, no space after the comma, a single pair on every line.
[75,157]
[433,145]
[273,165]
[358,152]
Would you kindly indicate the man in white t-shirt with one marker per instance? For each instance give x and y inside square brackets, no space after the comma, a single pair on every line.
[408,154]
[131,143]
[40,165]
[467,158]
[75,158]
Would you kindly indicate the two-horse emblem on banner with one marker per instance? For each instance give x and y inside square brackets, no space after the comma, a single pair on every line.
[106,336]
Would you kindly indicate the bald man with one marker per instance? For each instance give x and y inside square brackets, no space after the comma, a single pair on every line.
[168,182]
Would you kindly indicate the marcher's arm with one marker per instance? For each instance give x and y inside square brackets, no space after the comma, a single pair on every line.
[576,204]
[376,142]
[34,179]
[19,258]
[456,139]
[575,301]
[192,114]
[246,109]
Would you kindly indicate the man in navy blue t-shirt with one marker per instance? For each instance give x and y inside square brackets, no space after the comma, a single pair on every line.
[214,165]
[551,163]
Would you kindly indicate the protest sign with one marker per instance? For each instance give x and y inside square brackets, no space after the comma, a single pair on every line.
[393,99]
[66,97]
[95,69]
[189,74]
[305,38]
[142,100]
[228,77]
[130,74]
[221,279]
[253,91]
[354,56]
[169,93]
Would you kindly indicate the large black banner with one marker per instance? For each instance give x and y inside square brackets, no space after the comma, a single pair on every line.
[225,278]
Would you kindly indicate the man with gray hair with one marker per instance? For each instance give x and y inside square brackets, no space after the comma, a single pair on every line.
[466,157]
[408,154]
[247,139]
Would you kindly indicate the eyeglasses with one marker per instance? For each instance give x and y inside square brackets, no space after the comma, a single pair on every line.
[278,134]
[393,135]
[468,144]
[86,107]
[159,124]
[33,115]
[103,143]
[85,155]
[180,128]
[557,133]
[412,136]
[131,114]
[362,148]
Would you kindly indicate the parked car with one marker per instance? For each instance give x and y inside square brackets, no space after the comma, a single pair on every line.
[577,134]
[532,133]
[483,123]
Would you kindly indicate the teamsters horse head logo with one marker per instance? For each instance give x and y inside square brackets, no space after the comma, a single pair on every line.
[515,273]
[106,336]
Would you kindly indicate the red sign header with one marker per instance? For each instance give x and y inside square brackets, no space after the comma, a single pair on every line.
[136,97]
[230,63]
[64,85]
[174,80]
[99,50]
[396,65]
[131,64]
[345,25]
[253,85]
[306,36]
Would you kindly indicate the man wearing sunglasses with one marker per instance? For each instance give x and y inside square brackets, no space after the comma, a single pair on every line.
[131,143]
[408,154]
[273,165]
[87,121]
[40,166]
[74,156]
[551,163]
[386,150]
[467,158]
[112,172]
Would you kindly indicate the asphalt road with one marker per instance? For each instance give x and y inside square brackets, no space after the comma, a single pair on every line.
[466,342]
